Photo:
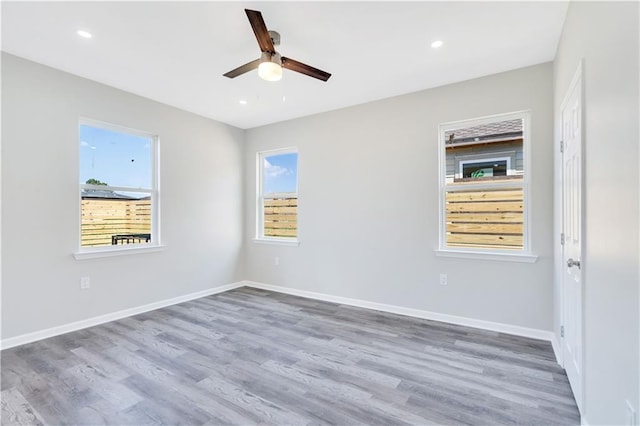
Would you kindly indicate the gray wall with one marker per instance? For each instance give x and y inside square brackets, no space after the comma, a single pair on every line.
[368,194]
[201,210]
[605,36]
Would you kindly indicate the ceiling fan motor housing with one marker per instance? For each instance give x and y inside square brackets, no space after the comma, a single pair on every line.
[275,37]
[271,57]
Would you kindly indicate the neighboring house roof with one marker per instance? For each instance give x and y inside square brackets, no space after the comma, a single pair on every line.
[103,193]
[492,132]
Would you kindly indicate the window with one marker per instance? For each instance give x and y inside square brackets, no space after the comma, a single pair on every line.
[484,185]
[118,187]
[277,202]
[483,168]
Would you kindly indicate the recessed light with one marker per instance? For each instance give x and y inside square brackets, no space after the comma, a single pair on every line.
[436,44]
[243,102]
[83,33]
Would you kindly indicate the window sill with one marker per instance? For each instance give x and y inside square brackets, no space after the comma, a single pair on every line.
[120,251]
[502,257]
[277,241]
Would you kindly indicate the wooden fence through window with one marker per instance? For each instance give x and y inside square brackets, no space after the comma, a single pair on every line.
[485,218]
[281,217]
[104,218]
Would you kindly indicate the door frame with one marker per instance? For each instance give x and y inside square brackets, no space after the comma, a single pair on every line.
[577,82]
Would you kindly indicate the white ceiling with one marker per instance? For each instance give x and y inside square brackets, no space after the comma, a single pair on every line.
[176,52]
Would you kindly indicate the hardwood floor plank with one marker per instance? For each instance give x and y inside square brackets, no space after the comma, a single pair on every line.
[177,409]
[254,357]
[103,365]
[17,410]
[262,410]
[117,394]
[284,392]
[342,369]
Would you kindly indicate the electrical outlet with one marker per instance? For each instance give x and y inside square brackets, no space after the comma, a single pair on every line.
[632,420]
[85,283]
[443,279]
[276,261]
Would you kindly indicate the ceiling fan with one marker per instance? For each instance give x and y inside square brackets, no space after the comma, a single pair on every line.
[271,63]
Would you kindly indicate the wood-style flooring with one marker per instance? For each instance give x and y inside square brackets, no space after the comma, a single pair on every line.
[249,356]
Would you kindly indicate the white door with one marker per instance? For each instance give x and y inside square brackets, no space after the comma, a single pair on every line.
[572,227]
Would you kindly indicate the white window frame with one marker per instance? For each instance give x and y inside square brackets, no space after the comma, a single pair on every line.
[154,192]
[260,237]
[524,255]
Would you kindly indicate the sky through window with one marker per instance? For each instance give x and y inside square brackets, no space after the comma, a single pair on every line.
[280,173]
[115,158]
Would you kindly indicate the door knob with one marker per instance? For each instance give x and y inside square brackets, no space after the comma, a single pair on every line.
[572,262]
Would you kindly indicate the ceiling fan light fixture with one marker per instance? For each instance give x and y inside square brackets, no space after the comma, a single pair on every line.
[270,63]
[270,68]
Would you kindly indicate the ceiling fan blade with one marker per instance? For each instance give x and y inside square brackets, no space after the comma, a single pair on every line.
[260,30]
[243,69]
[294,65]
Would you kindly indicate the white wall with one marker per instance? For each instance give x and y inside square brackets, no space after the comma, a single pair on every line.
[368,194]
[201,183]
[605,36]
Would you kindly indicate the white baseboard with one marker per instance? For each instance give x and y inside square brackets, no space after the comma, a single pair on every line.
[101,319]
[417,313]
[451,319]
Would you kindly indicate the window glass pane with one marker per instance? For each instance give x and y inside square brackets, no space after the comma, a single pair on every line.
[114,218]
[484,169]
[484,186]
[492,151]
[280,173]
[280,196]
[485,218]
[281,216]
[108,157]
